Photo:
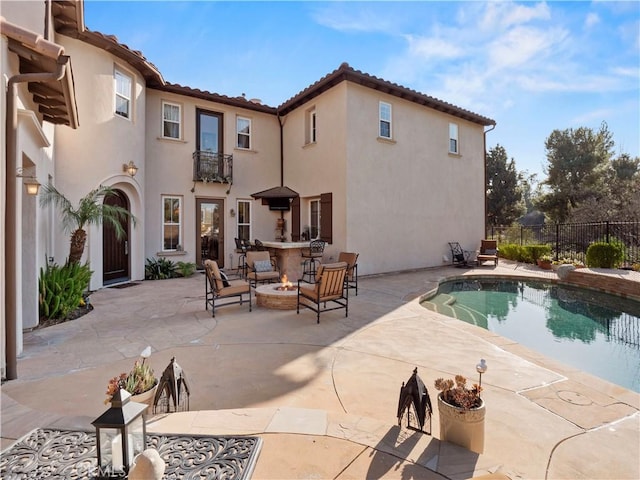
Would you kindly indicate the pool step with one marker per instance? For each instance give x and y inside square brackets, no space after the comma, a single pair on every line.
[445,304]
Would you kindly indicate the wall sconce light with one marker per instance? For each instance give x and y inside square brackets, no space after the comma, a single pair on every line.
[130,168]
[232,212]
[30,182]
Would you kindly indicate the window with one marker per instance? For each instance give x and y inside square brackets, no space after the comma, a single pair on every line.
[453,138]
[310,124]
[385,120]
[171,117]
[314,216]
[243,127]
[244,220]
[171,223]
[123,94]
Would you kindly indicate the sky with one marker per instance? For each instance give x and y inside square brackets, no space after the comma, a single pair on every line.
[533,67]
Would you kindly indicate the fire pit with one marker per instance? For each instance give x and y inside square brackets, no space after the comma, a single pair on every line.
[281,296]
[286,285]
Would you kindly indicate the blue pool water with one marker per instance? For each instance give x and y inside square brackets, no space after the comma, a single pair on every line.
[592,331]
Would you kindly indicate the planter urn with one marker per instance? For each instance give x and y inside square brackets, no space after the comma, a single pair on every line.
[462,427]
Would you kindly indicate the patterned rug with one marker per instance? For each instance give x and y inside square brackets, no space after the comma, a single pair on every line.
[64,454]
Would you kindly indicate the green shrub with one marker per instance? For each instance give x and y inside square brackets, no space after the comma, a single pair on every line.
[186,269]
[605,255]
[61,288]
[511,251]
[524,253]
[159,269]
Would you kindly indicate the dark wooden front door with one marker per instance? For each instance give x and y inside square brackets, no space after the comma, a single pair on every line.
[210,231]
[115,252]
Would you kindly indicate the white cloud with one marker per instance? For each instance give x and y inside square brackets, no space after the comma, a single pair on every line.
[502,15]
[345,18]
[427,48]
[522,45]
[591,20]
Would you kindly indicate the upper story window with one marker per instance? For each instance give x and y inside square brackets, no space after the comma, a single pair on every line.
[243,129]
[310,126]
[123,94]
[244,220]
[171,120]
[385,120]
[453,138]
[171,223]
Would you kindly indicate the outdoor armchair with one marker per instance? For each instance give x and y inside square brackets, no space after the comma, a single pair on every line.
[459,256]
[488,252]
[218,289]
[351,278]
[329,287]
[261,268]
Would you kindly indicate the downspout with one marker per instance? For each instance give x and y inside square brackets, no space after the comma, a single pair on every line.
[11,247]
[485,178]
[281,149]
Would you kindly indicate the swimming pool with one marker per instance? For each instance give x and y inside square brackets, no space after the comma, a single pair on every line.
[595,332]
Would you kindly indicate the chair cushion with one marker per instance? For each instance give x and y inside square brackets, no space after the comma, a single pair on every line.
[262,266]
[490,251]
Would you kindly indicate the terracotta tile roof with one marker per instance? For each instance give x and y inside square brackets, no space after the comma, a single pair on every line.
[241,102]
[55,98]
[346,73]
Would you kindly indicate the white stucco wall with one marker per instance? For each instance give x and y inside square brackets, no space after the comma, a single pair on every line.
[320,167]
[170,172]
[397,203]
[408,197]
[94,154]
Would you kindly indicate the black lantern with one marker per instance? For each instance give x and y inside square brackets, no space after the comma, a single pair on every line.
[121,434]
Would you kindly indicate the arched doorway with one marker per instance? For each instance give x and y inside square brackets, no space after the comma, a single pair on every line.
[115,252]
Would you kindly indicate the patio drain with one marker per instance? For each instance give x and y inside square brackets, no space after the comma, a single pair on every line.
[574,398]
[48,453]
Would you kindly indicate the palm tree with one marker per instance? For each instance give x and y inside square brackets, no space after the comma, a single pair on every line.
[91,210]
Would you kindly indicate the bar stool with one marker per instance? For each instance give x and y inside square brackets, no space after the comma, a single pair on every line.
[310,256]
[241,248]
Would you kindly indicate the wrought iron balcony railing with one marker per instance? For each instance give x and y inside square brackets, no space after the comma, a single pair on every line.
[212,167]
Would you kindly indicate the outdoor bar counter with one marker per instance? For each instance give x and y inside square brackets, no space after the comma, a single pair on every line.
[289,257]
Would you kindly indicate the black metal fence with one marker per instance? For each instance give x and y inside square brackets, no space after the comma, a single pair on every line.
[571,240]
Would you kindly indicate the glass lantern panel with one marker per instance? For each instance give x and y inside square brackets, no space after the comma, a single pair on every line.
[136,438]
[110,448]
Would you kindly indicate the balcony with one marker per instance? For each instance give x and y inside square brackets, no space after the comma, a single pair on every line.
[212,167]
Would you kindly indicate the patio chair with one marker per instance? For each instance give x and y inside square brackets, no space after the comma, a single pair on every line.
[310,256]
[329,287]
[219,289]
[459,256]
[351,278]
[261,268]
[488,252]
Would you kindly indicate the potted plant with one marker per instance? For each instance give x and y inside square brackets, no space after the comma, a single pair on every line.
[461,412]
[140,382]
[544,262]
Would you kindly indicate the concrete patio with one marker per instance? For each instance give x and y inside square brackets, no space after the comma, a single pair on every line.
[323,397]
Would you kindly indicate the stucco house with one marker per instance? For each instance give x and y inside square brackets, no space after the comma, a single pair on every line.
[374,167]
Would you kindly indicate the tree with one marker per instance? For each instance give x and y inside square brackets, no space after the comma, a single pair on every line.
[578,161]
[91,210]
[504,196]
